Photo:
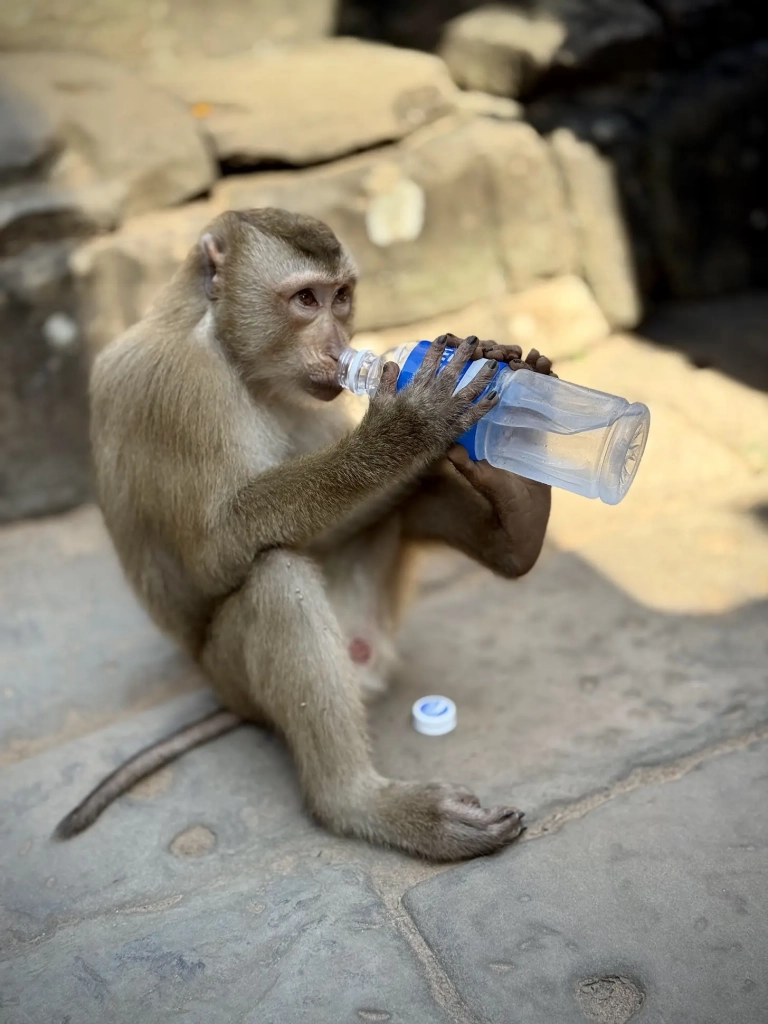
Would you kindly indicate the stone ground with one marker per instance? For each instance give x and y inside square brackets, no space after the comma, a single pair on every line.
[618,694]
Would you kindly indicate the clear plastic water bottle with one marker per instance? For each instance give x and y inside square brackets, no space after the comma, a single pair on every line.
[542,428]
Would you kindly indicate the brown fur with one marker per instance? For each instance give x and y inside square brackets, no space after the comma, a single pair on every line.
[265,532]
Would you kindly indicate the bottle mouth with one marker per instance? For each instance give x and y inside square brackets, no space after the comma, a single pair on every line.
[344,364]
[624,453]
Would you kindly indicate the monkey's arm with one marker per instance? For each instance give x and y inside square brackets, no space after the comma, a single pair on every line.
[298,502]
[497,518]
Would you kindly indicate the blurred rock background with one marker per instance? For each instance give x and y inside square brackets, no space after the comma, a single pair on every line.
[540,171]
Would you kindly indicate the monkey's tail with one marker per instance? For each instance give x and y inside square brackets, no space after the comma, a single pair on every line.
[142,764]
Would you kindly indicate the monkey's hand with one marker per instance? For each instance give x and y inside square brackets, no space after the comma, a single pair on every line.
[427,408]
[512,355]
[522,506]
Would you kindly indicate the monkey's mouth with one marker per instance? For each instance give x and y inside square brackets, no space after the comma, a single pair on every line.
[325,388]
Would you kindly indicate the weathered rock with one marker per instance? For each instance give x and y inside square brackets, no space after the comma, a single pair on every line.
[68,586]
[85,144]
[453,213]
[726,334]
[118,276]
[325,99]
[559,317]
[511,49]
[481,318]
[534,225]
[146,34]
[730,414]
[704,468]
[460,211]
[44,456]
[500,50]
[603,246]
[614,120]
[654,902]
[483,104]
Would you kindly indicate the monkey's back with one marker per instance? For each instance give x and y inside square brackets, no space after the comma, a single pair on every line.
[164,466]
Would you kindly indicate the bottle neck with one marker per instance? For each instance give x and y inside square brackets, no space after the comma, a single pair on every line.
[345,362]
[360,371]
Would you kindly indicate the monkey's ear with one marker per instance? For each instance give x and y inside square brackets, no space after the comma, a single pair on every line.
[213,261]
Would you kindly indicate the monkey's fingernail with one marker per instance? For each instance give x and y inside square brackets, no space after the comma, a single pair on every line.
[493,364]
[472,339]
[492,395]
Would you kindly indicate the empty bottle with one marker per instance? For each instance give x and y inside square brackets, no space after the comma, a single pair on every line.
[542,428]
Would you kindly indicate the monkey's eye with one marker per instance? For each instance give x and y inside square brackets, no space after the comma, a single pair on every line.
[306,297]
[343,294]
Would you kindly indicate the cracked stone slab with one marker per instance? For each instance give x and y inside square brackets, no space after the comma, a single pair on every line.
[75,648]
[564,683]
[655,904]
[230,808]
[313,947]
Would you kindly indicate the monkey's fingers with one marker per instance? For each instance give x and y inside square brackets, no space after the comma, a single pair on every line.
[479,474]
[430,363]
[504,353]
[388,380]
[482,348]
[476,410]
[452,372]
[536,362]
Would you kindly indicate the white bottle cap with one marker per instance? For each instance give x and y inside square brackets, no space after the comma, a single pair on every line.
[434,715]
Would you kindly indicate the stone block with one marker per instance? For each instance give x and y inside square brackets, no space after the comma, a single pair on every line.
[44,451]
[602,242]
[654,903]
[451,215]
[326,99]
[86,144]
[145,34]
[511,49]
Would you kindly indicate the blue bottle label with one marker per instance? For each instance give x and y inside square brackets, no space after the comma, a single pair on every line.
[412,364]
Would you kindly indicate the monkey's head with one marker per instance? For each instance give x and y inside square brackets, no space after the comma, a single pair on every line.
[280,287]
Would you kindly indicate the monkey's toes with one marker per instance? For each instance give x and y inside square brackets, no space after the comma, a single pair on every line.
[469,830]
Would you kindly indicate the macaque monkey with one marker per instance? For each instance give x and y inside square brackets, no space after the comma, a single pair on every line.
[268,533]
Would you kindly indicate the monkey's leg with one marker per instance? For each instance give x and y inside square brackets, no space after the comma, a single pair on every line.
[281,633]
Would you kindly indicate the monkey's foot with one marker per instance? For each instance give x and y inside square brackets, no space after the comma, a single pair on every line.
[444,822]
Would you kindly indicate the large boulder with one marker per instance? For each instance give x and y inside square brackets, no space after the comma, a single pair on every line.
[457,212]
[559,317]
[118,276]
[83,144]
[605,255]
[310,103]
[44,456]
[145,33]
[510,50]
[452,214]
